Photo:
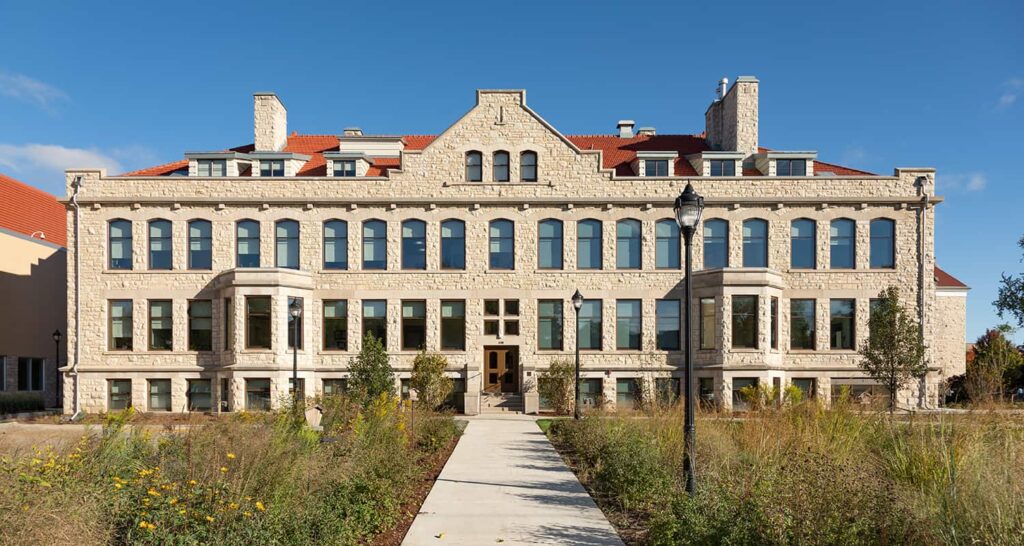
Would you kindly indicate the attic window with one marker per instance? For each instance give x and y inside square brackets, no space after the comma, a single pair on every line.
[723,167]
[790,167]
[656,167]
[211,167]
[272,167]
[344,167]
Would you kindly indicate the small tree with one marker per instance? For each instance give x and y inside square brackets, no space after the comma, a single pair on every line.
[429,380]
[997,364]
[894,353]
[557,385]
[1010,300]
[370,373]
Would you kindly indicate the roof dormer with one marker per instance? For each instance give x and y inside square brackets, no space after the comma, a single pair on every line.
[218,164]
[274,164]
[347,164]
[797,163]
[715,163]
[655,164]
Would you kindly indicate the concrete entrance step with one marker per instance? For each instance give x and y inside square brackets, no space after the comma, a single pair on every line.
[501,403]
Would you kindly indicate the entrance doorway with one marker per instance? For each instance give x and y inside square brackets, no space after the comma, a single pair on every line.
[501,369]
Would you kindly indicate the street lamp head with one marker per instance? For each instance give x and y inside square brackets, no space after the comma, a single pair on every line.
[577,300]
[688,208]
[295,310]
[56,336]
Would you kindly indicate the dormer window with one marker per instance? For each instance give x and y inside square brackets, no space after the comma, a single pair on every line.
[790,167]
[656,167]
[723,167]
[272,167]
[474,167]
[344,167]
[212,167]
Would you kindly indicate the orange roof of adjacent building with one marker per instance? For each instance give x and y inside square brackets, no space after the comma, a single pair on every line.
[945,280]
[32,212]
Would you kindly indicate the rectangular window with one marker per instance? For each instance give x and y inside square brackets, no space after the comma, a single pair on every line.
[414,325]
[200,244]
[453,244]
[627,393]
[744,322]
[120,326]
[257,394]
[375,319]
[161,325]
[225,394]
[296,324]
[159,395]
[841,324]
[591,394]
[272,167]
[200,325]
[775,323]
[120,234]
[212,167]
[883,245]
[257,322]
[302,388]
[549,324]
[119,396]
[667,390]
[344,167]
[590,325]
[723,167]
[806,386]
[588,244]
[335,244]
[739,402]
[668,324]
[30,374]
[453,325]
[801,324]
[655,167]
[335,387]
[200,396]
[628,325]
[336,325]
[229,325]
[707,323]
[790,167]
[802,244]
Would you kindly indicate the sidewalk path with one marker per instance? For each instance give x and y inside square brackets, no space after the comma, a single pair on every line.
[505,484]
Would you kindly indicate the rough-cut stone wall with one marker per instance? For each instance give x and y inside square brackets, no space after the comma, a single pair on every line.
[270,123]
[951,332]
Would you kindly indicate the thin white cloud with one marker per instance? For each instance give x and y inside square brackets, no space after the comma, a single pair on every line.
[853,155]
[967,182]
[43,165]
[1013,89]
[24,88]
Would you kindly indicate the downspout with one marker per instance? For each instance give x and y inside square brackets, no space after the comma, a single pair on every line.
[922,222]
[76,184]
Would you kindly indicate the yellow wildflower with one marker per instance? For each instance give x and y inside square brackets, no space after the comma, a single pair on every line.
[233,506]
[247,514]
[231,455]
[209,518]
[223,469]
[192,482]
[182,511]
[172,502]
[118,486]
[153,492]
[260,507]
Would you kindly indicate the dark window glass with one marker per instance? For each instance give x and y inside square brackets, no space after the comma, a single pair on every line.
[590,325]
[334,387]
[668,324]
[287,244]
[549,324]
[739,402]
[501,166]
[375,244]
[414,244]
[229,325]
[801,324]
[744,322]
[627,393]
[883,244]
[200,325]
[666,248]
[257,322]
[375,319]
[414,325]
[159,395]
[272,167]
[257,394]
[841,324]
[120,327]
[30,374]
[502,245]
[200,244]
[707,323]
[774,334]
[628,244]
[336,325]
[790,167]
[344,167]
[120,394]
[588,244]
[667,389]
[528,167]
[474,166]
[655,167]
[723,167]
[335,244]
[803,244]
[453,244]
[120,244]
[161,322]
[200,395]
[453,325]
[295,324]
[842,244]
[806,386]
[248,241]
[492,308]
[716,244]
[628,324]
[755,243]
[549,244]
[160,256]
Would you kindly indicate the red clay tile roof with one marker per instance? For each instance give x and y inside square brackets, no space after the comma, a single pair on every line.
[160,170]
[945,280]
[381,165]
[838,170]
[27,210]
[417,142]
[619,153]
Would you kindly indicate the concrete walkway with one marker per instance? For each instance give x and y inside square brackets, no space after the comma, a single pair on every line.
[505,484]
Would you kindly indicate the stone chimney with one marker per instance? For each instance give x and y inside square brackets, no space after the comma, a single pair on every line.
[270,123]
[730,123]
[626,128]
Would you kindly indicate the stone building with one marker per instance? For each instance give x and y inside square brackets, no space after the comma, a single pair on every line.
[471,243]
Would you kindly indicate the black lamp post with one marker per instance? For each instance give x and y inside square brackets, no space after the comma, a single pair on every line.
[577,302]
[688,208]
[295,311]
[56,361]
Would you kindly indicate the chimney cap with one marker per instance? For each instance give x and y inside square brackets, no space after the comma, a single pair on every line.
[352,131]
[628,122]
[649,131]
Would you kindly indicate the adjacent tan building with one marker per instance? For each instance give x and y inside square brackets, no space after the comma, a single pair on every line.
[471,243]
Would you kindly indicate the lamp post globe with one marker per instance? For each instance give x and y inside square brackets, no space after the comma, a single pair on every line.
[56,336]
[295,311]
[577,303]
[688,208]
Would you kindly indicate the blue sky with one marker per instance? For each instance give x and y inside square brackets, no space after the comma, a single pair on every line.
[871,85]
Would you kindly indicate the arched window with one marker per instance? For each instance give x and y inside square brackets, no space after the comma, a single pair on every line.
[627,244]
[528,166]
[120,244]
[716,243]
[501,166]
[883,243]
[335,244]
[549,244]
[803,244]
[474,166]
[666,244]
[247,235]
[200,244]
[286,235]
[502,244]
[375,244]
[755,243]
[588,244]
[160,256]
[453,244]
[843,244]
[414,244]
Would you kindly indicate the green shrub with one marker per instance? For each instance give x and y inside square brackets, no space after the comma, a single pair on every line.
[370,372]
[17,402]
[429,380]
[557,385]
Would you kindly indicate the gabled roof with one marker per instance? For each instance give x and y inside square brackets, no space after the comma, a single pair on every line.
[945,280]
[619,153]
[28,210]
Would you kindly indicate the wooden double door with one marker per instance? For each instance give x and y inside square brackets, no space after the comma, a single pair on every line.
[501,369]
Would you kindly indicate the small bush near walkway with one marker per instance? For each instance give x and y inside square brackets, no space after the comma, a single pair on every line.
[17,402]
[557,384]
